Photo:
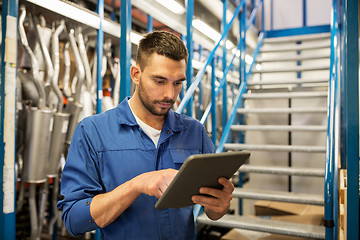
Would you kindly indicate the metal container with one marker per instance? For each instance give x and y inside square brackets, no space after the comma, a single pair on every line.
[61,124]
[37,144]
[74,109]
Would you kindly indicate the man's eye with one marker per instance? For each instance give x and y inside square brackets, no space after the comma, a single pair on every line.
[178,83]
[160,82]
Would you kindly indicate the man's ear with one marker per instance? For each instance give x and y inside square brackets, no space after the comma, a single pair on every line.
[135,72]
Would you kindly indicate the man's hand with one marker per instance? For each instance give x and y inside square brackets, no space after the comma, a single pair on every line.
[155,183]
[218,204]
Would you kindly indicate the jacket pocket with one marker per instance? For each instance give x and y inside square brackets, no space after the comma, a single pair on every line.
[180,155]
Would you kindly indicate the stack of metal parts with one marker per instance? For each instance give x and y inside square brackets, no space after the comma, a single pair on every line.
[289,88]
[45,123]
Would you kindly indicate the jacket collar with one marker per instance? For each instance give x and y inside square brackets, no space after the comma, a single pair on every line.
[173,121]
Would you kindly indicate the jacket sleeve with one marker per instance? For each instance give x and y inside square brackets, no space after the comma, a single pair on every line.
[80,182]
[208,146]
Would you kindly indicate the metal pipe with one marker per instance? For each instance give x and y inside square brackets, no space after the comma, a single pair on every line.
[46,55]
[34,64]
[42,205]
[79,65]
[67,65]
[84,58]
[33,212]
[56,61]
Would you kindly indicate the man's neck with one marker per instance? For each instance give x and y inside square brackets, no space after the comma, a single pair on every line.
[141,112]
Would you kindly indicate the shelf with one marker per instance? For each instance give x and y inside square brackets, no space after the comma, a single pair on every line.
[78,14]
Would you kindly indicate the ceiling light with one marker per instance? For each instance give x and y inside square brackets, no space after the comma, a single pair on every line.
[206,29]
[173,6]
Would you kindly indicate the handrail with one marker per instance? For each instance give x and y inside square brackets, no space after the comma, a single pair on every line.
[201,73]
[238,98]
[217,91]
[253,15]
[330,166]
[222,81]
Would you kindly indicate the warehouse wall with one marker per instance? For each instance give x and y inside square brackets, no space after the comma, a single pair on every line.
[289,13]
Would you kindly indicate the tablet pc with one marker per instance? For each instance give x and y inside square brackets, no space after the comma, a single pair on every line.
[201,170]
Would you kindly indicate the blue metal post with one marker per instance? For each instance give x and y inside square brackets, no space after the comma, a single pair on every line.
[200,85]
[242,73]
[351,113]
[224,90]
[125,49]
[99,80]
[304,14]
[190,47]
[99,50]
[272,15]
[7,118]
[113,13]
[263,17]
[213,102]
[181,95]
[150,23]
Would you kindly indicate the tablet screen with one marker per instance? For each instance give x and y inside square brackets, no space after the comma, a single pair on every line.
[201,170]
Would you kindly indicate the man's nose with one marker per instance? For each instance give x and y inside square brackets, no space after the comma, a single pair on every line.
[169,92]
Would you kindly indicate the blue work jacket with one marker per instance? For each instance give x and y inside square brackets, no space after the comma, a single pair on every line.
[109,149]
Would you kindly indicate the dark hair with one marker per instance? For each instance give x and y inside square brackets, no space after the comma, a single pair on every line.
[163,43]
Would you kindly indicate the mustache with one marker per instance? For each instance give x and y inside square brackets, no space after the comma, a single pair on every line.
[165,101]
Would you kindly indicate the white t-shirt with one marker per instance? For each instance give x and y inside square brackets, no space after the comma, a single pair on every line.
[153,133]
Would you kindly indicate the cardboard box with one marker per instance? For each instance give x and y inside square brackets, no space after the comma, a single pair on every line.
[269,208]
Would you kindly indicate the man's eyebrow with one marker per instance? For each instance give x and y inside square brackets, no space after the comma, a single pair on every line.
[158,77]
[164,78]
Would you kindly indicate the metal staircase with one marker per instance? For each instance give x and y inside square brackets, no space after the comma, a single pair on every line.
[290,82]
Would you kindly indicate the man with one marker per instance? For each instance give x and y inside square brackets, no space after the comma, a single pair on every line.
[120,162]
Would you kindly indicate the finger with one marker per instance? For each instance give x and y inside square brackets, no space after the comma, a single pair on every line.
[227,184]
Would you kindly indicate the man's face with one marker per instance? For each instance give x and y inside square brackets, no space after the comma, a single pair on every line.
[160,83]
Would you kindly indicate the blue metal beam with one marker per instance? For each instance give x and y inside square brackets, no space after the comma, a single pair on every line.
[7,118]
[304,14]
[190,47]
[125,49]
[149,23]
[298,31]
[224,88]
[213,102]
[350,109]
[99,51]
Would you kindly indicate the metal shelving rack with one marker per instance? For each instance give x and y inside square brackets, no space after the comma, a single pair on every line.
[111,29]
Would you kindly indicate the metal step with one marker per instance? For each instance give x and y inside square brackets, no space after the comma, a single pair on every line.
[298,47]
[292,69]
[313,128]
[292,58]
[278,148]
[263,225]
[284,95]
[309,172]
[290,81]
[297,38]
[282,110]
[279,196]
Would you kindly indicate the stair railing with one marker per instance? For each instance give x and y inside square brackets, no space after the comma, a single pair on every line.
[190,91]
[242,88]
[223,80]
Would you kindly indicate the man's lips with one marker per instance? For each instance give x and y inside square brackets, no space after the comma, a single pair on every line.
[164,105]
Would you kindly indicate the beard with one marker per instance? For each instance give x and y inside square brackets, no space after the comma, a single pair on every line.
[151,105]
